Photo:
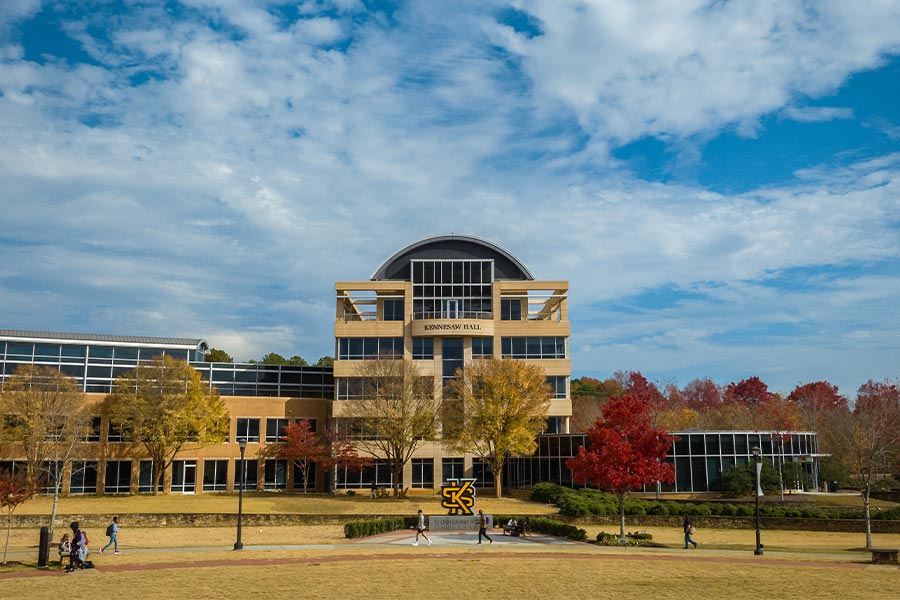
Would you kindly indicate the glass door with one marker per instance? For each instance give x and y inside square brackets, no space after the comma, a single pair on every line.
[451,309]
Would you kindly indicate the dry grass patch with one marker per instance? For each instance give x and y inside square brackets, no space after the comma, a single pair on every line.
[476,577]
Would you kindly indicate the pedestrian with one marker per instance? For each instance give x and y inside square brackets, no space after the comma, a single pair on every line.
[374,490]
[113,532]
[420,529]
[482,527]
[689,530]
[78,546]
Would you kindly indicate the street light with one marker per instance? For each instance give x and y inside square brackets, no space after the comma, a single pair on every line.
[238,545]
[757,458]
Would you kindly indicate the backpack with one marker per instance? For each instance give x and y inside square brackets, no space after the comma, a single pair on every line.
[109,530]
[84,538]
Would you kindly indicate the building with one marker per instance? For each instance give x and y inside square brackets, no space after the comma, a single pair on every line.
[261,400]
[442,302]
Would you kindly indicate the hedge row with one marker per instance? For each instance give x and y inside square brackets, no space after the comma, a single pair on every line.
[587,502]
[632,539]
[355,529]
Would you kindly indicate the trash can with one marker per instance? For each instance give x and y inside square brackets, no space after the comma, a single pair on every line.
[834,487]
[44,548]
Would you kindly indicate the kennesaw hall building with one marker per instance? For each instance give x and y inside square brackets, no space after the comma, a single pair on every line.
[441,302]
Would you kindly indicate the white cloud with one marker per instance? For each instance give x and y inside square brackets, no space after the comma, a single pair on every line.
[813,114]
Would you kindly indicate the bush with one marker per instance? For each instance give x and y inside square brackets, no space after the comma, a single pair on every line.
[355,529]
[548,493]
[558,529]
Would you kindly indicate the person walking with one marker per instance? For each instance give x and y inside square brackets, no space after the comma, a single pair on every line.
[79,550]
[113,532]
[482,527]
[689,529]
[420,529]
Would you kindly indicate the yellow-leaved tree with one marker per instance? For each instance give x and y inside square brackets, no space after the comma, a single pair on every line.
[164,406]
[495,409]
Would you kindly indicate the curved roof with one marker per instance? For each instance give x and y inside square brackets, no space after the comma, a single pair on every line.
[453,246]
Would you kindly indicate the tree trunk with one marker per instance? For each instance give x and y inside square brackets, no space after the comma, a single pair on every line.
[8,532]
[866,490]
[621,516]
[498,481]
[398,475]
[53,510]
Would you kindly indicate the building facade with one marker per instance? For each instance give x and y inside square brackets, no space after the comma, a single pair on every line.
[443,302]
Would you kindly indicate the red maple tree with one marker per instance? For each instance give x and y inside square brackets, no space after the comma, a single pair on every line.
[626,451]
[303,447]
[14,490]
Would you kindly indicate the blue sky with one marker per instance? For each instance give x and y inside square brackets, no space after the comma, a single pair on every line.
[718,180]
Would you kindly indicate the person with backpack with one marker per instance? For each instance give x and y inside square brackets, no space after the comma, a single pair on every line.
[689,529]
[112,531]
[78,548]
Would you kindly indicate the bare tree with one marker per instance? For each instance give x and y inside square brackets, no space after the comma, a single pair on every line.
[867,440]
[44,416]
[396,411]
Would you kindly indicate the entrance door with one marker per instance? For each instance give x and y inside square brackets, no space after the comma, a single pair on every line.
[184,476]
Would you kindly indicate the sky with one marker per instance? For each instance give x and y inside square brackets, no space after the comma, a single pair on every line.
[719,181]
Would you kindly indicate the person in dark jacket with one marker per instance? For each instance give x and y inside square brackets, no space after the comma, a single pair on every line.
[78,548]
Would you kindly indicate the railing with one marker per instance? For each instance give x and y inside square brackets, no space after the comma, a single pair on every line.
[426,315]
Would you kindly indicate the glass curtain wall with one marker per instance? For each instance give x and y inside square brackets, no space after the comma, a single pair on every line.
[452,289]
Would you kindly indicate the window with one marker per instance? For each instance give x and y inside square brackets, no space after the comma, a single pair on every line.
[452,468]
[482,347]
[558,385]
[84,478]
[423,473]
[511,309]
[481,471]
[247,431]
[275,474]
[370,348]
[554,425]
[114,432]
[251,474]
[533,347]
[378,471]
[298,477]
[275,429]
[423,349]
[393,310]
[145,478]
[215,475]
[118,477]
[184,476]
[93,434]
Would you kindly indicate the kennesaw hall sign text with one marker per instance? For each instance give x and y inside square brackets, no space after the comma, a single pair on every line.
[431,327]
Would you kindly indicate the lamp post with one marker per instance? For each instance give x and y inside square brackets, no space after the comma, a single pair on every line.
[757,459]
[238,545]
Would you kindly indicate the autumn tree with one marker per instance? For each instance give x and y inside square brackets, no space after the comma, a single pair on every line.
[164,406]
[503,405]
[44,415]
[702,395]
[14,490]
[588,395]
[626,451]
[300,446]
[867,440]
[216,355]
[396,411]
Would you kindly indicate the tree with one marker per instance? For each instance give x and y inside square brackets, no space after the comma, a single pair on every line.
[325,361]
[396,412]
[164,406]
[867,440]
[702,395]
[301,446]
[272,358]
[14,490]
[297,361]
[502,407]
[626,451]
[216,355]
[44,414]
[752,391]
[588,395]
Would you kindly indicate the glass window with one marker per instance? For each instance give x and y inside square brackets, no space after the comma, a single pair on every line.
[115,432]
[275,429]
[184,476]
[482,347]
[251,474]
[393,310]
[118,477]
[247,430]
[74,351]
[14,349]
[423,473]
[93,434]
[275,474]
[84,478]
[558,385]
[298,477]
[423,348]
[511,309]
[215,475]
[46,351]
[481,471]
[145,478]
[100,352]
[452,468]
[126,353]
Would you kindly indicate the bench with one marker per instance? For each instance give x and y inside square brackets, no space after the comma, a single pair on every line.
[885,556]
[64,559]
